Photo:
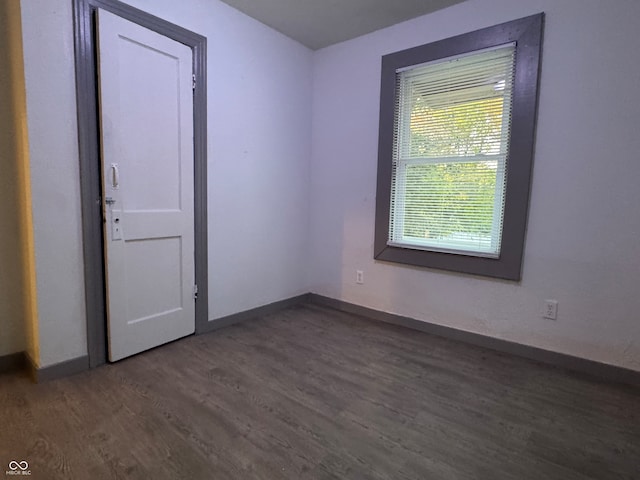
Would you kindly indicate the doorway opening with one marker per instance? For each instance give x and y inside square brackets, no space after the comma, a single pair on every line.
[85,12]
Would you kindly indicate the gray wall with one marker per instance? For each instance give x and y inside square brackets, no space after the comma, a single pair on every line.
[582,245]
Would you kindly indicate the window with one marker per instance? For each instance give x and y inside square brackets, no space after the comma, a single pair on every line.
[457,124]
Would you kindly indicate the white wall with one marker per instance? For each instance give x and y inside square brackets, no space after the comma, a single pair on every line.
[12,335]
[583,241]
[53,150]
[259,145]
[582,245]
[259,110]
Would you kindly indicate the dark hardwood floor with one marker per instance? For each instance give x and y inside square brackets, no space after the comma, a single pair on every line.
[311,393]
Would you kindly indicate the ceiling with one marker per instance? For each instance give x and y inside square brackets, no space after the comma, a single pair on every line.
[320,23]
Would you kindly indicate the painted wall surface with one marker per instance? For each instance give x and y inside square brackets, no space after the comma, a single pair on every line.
[259,132]
[259,145]
[12,335]
[581,248]
[582,244]
[53,150]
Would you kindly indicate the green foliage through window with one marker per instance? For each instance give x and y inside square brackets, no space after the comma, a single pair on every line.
[445,199]
[452,129]
[455,151]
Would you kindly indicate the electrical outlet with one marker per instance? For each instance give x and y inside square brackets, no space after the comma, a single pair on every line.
[359,277]
[550,309]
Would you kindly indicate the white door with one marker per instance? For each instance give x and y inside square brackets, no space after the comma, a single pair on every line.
[146,111]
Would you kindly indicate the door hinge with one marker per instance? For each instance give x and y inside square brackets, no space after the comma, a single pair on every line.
[193,77]
[195,292]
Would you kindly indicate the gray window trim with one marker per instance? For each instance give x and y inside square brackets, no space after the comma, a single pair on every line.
[527,35]
[88,141]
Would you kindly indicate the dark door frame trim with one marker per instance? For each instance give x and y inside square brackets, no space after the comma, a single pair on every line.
[89,149]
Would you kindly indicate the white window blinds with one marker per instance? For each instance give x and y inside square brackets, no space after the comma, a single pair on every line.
[451,143]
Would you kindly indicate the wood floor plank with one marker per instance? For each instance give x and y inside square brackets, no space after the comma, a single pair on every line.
[312,393]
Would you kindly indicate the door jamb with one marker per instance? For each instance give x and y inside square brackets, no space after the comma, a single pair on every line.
[89,149]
